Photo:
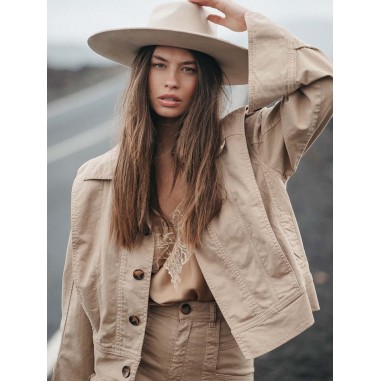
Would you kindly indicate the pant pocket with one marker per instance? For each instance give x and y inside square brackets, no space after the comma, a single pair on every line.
[231,363]
[226,339]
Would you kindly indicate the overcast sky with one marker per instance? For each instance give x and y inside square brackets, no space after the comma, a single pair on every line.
[71,22]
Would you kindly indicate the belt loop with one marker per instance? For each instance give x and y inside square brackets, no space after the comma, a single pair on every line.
[213,314]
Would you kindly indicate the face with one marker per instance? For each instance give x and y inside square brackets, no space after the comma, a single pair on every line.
[172,81]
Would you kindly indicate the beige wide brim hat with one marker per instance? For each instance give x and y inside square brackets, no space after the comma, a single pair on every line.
[178,24]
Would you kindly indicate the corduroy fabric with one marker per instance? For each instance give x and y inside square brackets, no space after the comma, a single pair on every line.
[193,346]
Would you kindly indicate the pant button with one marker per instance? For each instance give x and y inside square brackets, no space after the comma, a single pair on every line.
[186,309]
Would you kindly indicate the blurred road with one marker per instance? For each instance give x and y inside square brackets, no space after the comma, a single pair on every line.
[65,125]
[80,127]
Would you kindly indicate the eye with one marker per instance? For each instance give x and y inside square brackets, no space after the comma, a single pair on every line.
[188,69]
[158,65]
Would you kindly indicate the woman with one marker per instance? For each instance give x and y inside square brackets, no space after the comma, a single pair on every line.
[185,261]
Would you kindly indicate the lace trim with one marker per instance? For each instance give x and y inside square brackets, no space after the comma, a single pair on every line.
[171,249]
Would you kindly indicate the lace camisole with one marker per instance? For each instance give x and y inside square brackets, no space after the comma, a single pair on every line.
[176,275]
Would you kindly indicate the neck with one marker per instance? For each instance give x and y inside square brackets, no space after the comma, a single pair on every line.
[167,132]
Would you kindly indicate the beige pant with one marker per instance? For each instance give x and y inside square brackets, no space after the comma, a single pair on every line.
[191,341]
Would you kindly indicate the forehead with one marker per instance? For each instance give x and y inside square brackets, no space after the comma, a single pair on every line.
[173,54]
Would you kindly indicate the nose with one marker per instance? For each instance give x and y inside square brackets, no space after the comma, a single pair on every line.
[172,80]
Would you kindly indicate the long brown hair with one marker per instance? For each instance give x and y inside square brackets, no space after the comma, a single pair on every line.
[194,155]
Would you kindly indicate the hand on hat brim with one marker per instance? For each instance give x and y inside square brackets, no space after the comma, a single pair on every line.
[234,13]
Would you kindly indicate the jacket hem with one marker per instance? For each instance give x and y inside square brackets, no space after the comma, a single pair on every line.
[279,328]
[109,363]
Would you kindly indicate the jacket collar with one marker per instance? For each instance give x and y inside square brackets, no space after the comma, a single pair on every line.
[103,167]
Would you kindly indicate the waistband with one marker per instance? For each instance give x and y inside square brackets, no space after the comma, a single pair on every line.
[191,309]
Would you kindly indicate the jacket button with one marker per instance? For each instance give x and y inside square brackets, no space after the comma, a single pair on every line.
[138,274]
[134,320]
[126,370]
[186,309]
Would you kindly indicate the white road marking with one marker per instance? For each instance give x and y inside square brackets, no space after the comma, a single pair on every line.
[81,141]
[84,97]
[52,352]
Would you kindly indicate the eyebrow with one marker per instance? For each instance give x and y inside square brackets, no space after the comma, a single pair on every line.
[183,63]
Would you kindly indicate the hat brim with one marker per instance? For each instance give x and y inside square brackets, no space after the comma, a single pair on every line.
[122,46]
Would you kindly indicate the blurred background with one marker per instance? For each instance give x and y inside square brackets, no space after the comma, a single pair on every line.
[83,91]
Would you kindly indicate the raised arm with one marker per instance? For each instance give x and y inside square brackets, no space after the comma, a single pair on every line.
[281,68]
[299,76]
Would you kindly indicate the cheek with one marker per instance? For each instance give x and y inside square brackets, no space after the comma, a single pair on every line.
[192,87]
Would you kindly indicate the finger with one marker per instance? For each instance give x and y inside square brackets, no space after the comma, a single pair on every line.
[206,3]
[220,5]
[216,19]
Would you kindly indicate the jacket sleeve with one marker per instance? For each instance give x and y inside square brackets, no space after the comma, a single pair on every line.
[290,94]
[75,360]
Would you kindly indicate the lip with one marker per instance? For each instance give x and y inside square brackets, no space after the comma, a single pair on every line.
[176,98]
[173,102]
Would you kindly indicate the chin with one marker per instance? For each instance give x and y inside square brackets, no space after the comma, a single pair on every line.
[168,113]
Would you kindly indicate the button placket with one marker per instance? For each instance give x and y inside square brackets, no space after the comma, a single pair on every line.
[133,312]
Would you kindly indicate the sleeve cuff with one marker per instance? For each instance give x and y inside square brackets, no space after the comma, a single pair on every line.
[272,61]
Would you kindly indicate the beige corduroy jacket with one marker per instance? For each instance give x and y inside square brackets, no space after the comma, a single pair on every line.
[251,256]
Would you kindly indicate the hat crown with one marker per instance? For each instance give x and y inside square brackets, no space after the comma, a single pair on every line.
[179,24]
[182,16]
